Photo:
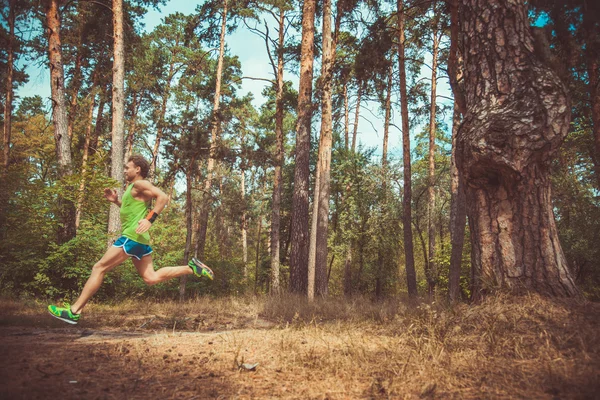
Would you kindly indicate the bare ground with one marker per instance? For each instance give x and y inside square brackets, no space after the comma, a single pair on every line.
[526,347]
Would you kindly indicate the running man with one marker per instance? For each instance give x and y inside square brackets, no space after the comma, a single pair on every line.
[134,242]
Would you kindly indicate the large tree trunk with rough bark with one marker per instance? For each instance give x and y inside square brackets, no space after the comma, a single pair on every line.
[592,58]
[279,153]
[66,229]
[517,115]
[118,111]
[299,232]
[409,259]
[214,133]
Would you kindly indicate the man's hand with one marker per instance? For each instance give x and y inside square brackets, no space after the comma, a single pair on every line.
[143,226]
[111,195]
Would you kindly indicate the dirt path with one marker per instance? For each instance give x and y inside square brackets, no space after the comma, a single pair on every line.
[508,350]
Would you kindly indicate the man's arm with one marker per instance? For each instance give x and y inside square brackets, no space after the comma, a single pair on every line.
[147,191]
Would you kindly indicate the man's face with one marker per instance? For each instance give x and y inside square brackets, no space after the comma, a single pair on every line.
[131,171]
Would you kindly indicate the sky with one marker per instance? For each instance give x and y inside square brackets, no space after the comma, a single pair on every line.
[254,62]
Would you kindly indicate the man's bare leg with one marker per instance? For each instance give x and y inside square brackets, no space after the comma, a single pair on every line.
[112,258]
[145,268]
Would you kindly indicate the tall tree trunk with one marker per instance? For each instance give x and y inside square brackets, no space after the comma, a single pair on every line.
[257,267]
[381,264]
[279,154]
[84,159]
[75,83]
[99,125]
[346,117]
[161,120]
[458,210]
[9,84]
[348,271]
[188,226]
[317,262]
[357,115]
[432,269]
[66,229]
[411,276]
[214,132]
[592,47]
[458,215]
[244,227]
[517,116]
[299,232]
[135,106]
[118,108]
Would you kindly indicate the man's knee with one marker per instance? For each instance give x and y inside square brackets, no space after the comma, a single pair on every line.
[150,279]
[100,267]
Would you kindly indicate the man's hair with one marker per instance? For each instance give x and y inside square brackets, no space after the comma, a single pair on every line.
[141,162]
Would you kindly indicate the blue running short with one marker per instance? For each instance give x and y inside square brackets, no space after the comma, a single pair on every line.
[132,248]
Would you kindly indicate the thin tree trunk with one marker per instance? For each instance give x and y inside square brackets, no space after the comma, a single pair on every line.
[84,160]
[256,273]
[411,276]
[279,154]
[299,233]
[431,267]
[346,117]
[66,229]
[458,215]
[118,107]
[458,211]
[356,116]
[9,84]
[214,132]
[244,227]
[348,271]
[132,126]
[75,86]
[99,125]
[515,242]
[161,120]
[188,226]
[381,264]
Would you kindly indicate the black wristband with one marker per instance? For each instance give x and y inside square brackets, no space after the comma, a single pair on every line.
[152,216]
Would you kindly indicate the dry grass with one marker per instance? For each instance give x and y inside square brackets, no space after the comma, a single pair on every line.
[506,347]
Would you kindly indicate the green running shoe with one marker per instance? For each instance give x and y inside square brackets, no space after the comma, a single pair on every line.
[64,313]
[200,269]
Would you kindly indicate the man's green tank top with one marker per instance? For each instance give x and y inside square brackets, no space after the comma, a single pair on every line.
[132,211]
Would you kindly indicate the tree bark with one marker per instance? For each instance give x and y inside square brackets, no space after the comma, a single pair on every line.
[9,84]
[279,154]
[458,216]
[188,226]
[431,271]
[66,229]
[214,134]
[592,47]
[409,259]
[135,106]
[317,261]
[118,108]
[299,232]
[161,119]
[517,116]
[84,159]
[356,116]
[346,117]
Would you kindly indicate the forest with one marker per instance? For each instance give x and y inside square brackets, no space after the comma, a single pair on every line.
[398,198]
[282,196]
